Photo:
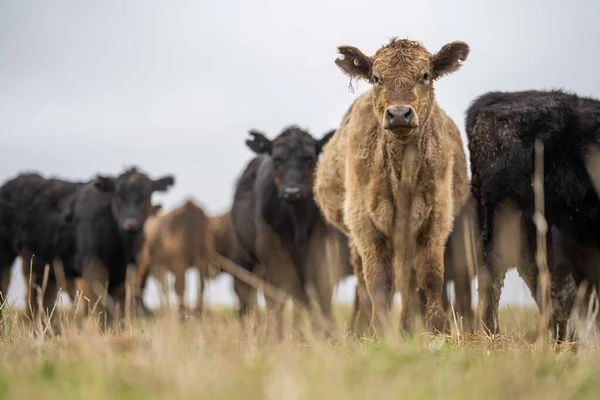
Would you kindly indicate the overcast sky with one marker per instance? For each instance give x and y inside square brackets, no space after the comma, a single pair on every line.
[174,86]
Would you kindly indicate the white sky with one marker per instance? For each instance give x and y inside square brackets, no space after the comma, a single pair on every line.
[174,87]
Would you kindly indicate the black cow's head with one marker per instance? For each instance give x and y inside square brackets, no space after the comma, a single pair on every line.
[294,153]
[131,194]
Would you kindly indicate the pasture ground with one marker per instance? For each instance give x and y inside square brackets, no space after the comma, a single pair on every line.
[214,358]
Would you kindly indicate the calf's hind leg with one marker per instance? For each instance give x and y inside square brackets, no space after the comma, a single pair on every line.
[502,245]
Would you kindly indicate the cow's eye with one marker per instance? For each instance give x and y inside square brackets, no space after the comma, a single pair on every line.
[375,80]
[425,77]
[308,160]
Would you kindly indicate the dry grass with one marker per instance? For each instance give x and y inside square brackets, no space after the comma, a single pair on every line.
[214,358]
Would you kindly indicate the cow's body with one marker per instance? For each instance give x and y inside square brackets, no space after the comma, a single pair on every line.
[48,220]
[393,177]
[278,223]
[502,130]
[176,241]
[38,224]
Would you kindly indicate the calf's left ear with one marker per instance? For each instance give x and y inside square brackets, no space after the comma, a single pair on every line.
[259,143]
[354,63]
[104,184]
[163,184]
[449,58]
[323,141]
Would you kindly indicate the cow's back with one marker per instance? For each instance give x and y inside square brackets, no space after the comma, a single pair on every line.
[183,232]
[505,131]
[39,215]
[330,190]
[243,210]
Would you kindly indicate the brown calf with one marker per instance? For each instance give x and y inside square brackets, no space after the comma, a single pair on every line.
[176,241]
[394,176]
[226,245]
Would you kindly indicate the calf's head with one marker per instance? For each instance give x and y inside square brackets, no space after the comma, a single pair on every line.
[131,196]
[402,74]
[294,153]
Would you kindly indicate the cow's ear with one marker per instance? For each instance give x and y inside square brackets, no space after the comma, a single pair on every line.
[156,209]
[449,58]
[259,143]
[354,63]
[104,184]
[163,184]
[323,141]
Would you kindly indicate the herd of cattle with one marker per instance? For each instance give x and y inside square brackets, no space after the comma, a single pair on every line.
[385,197]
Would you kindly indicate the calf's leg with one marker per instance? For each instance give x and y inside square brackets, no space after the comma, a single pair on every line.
[95,285]
[377,273]
[430,278]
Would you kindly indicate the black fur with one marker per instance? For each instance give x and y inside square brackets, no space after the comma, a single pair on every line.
[110,223]
[74,221]
[502,129]
[38,219]
[260,205]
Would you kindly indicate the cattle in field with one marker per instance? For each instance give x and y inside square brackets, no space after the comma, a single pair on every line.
[174,242]
[110,215]
[50,220]
[278,223]
[393,177]
[38,224]
[503,128]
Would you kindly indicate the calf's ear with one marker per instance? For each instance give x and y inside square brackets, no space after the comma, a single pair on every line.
[259,143]
[104,184]
[449,58]
[323,141]
[163,184]
[354,63]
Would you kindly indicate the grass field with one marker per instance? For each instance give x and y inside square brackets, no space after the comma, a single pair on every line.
[214,358]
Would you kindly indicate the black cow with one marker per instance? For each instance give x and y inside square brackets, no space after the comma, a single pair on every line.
[276,219]
[38,224]
[44,220]
[110,220]
[502,129]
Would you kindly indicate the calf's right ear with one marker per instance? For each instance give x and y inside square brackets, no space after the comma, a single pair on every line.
[163,184]
[259,143]
[354,63]
[104,184]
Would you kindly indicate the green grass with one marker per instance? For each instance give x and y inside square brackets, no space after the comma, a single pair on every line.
[214,358]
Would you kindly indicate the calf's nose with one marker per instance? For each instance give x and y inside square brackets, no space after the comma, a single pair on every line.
[400,117]
[130,224]
[292,193]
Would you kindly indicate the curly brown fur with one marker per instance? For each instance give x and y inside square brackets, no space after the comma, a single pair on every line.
[396,188]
